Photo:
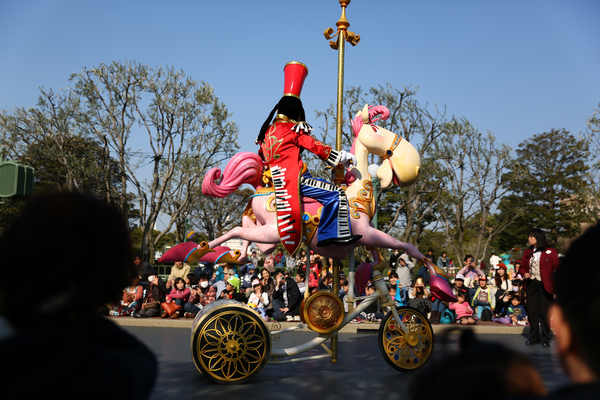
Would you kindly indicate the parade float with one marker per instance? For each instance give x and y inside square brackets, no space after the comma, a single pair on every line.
[231,342]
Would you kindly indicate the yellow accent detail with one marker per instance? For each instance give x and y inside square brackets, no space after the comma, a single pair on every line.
[364,202]
[389,152]
[271,205]
[280,118]
[310,227]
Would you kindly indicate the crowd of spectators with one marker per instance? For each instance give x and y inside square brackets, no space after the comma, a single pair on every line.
[274,285]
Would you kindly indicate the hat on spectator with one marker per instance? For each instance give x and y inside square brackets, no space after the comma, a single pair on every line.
[235,282]
[250,266]
[255,282]
[459,277]
[483,278]
[501,265]
[229,271]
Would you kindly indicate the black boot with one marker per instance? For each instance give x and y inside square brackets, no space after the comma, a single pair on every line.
[435,317]
[339,241]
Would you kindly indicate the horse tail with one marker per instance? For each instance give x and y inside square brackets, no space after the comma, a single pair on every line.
[243,168]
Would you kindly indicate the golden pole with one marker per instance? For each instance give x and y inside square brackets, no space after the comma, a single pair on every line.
[343,35]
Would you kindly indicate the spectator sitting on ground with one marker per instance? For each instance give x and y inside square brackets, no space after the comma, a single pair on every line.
[300,281]
[268,283]
[179,270]
[515,313]
[247,274]
[254,258]
[201,295]
[400,293]
[54,340]
[405,270]
[325,284]
[131,301]
[144,269]
[345,287]
[464,312]
[154,295]
[259,300]
[443,262]
[503,289]
[204,267]
[280,259]
[286,299]
[179,295]
[483,298]
[232,290]
[221,284]
[459,287]
[191,280]
[269,263]
[423,273]
[373,312]
[471,274]
[577,328]
[419,297]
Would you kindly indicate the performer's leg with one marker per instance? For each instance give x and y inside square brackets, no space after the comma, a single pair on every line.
[334,227]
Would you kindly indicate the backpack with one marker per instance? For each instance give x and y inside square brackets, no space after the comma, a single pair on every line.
[447,317]
[486,314]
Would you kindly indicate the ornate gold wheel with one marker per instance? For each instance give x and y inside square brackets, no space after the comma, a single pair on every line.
[323,312]
[230,343]
[406,351]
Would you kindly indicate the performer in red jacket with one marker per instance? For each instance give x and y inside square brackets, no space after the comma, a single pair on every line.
[282,141]
[537,267]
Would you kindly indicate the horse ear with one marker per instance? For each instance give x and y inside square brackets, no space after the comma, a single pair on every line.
[365,114]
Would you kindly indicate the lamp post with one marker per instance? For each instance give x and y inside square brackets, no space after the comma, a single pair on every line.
[185,230]
[343,36]
[376,186]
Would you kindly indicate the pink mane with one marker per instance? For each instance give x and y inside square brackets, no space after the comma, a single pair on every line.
[242,168]
[357,122]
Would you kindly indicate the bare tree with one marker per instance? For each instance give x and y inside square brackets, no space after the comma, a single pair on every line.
[186,128]
[473,185]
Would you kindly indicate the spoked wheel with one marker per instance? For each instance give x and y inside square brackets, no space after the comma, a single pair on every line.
[230,342]
[406,351]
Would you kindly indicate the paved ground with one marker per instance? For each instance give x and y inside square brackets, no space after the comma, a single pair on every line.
[360,373]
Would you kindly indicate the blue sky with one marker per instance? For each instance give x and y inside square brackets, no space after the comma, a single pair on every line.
[515,68]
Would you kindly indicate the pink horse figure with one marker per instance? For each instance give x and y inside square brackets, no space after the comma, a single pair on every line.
[401,163]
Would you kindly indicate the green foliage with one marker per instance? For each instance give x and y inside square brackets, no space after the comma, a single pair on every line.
[547,188]
[137,235]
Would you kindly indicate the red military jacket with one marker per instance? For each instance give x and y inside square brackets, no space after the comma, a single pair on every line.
[281,150]
[548,264]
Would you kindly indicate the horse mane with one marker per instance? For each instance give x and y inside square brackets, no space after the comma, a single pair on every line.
[357,122]
[243,168]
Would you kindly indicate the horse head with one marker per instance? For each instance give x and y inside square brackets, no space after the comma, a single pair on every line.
[401,161]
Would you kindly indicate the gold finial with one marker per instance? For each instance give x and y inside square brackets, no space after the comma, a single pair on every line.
[342,29]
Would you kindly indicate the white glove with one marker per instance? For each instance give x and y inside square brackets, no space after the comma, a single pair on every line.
[346,158]
[302,126]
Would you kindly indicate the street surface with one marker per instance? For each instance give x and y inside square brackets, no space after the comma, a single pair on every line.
[360,373]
